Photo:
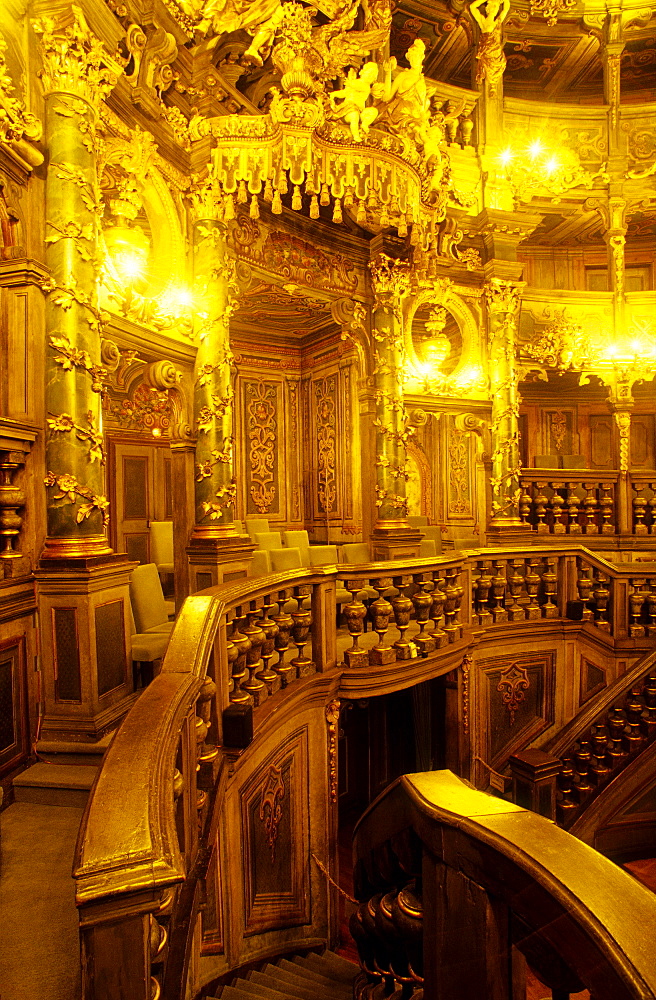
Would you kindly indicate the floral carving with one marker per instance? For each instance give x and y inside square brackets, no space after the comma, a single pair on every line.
[64,422]
[513,685]
[262,441]
[148,409]
[558,429]
[458,499]
[70,357]
[15,121]
[71,489]
[326,422]
[226,497]
[332,720]
[273,792]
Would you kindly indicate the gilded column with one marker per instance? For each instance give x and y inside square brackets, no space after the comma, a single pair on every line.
[214,540]
[77,73]
[391,283]
[503,303]
[82,586]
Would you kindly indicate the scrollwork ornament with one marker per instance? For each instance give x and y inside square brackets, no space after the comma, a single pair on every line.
[16,123]
[270,812]
[332,720]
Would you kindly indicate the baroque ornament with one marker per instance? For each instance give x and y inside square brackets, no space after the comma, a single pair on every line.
[70,490]
[326,444]
[16,123]
[273,793]
[513,685]
[262,435]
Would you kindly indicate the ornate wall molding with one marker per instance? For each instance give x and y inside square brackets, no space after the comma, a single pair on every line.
[262,437]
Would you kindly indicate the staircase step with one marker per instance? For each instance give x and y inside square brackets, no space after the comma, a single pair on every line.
[278,978]
[252,989]
[312,976]
[55,784]
[330,965]
[74,751]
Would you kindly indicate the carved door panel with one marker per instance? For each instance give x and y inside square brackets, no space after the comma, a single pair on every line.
[642,441]
[14,723]
[140,487]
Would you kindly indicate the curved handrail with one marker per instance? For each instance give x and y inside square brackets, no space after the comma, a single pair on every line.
[128,837]
[594,915]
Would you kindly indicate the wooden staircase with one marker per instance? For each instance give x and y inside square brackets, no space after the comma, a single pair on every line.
[301,978]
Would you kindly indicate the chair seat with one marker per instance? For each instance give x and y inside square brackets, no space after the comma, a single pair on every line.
[166,567]
[164,629]
[147,647]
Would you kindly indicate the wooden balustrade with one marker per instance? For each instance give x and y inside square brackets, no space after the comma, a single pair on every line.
[644,504]
[434,856]
[144,840]
[569,504]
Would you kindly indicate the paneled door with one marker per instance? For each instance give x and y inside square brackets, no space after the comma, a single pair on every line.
[140,492]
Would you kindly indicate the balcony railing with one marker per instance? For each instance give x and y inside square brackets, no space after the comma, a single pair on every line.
[146,839]
[585,503]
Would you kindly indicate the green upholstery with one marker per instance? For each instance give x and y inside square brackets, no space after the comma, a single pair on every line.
[298,540]
[149,608]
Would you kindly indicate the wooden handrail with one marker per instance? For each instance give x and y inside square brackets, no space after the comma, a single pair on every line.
[557,891]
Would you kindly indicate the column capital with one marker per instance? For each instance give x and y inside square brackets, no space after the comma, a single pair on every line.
[503,296]
[390,279]
[75,61]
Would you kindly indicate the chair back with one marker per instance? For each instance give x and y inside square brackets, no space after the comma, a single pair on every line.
[161,544]
[282,559]
[427,548]
[298,540]
[417,520]
[146,597]
[356,552]
[255,524]
[268,540]
[260,563]
[323,555]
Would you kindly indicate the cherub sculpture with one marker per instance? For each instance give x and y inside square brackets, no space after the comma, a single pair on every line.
[490,56]
[354,96]
[403,98]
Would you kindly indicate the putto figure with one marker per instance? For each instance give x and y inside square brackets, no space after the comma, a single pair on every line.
[490,55]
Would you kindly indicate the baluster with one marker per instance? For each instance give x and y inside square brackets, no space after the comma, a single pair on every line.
[515,584]
[270,628]
[201,734]
[636,602]
[532,583]
[157,940]
[649,696]
[204,713]
[639,510]
[355,612]
[584,584]
[422,604]
[451,625]
[633,737]
[459,594]
[600,768]
[475,577]
[499,613]
[403,607]
[589,508]
[601,595]
[253,685]
[616,722]
[651,608]
[541,501]
[484,584]
[566,803]
[302,619]
[379,612]
[550,580]
[574,528]
[607,504]
[652,509]
[525,501]
[284,621]
[583,787]
[438,634]
[232,654]
[557,504]
[243,644]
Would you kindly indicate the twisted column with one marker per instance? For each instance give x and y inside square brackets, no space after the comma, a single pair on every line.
[503,300]
[77,74]
[215,291]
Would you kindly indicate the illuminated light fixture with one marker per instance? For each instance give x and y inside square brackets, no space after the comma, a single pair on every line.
[176,299]
[128,248]
[534,168]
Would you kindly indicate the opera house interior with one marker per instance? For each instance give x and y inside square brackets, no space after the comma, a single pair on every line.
[327,499]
